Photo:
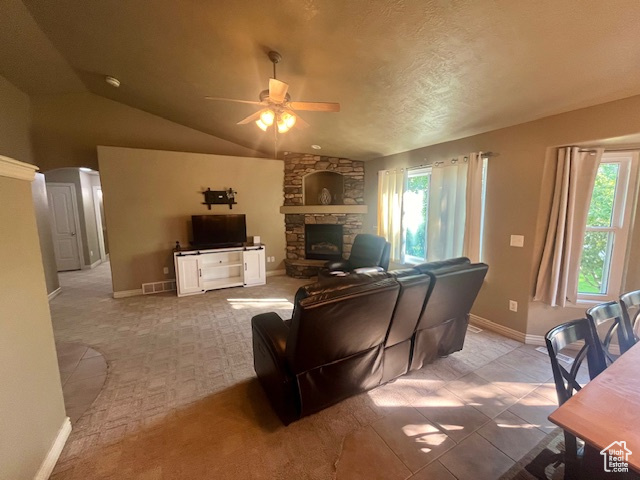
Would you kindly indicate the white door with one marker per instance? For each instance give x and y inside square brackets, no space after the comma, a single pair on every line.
[254,268]
[188,274]
[63,226]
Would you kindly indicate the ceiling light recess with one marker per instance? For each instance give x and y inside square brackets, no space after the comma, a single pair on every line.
[316,147]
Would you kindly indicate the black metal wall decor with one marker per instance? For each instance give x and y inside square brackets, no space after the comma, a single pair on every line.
[219,197]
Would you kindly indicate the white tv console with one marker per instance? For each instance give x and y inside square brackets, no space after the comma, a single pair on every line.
[200,270]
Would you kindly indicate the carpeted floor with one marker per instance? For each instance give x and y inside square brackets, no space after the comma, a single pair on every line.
[181,400]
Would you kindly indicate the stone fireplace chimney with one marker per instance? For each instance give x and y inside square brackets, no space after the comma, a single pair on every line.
[320,191]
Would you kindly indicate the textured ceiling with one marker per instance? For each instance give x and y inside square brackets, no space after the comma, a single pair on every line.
[406,73]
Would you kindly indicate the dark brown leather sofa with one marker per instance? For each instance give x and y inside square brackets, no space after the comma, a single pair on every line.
[350,334]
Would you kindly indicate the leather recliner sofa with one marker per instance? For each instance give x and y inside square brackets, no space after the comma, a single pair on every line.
[351,334]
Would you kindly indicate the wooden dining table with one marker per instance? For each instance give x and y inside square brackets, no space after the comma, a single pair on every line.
[607,409]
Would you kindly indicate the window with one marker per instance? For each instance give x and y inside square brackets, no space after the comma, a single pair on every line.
[605,240]
[416,214]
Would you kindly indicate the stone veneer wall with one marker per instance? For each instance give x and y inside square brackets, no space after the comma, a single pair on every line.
[296,167]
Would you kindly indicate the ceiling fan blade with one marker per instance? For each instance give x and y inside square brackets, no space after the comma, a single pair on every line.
[277,90]
[251,118]
[316,106]
[233,100]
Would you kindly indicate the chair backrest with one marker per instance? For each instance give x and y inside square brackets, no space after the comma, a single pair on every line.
[610,315]
[368,251]
[582,330]
[630,303]
[336,340]
[559,337]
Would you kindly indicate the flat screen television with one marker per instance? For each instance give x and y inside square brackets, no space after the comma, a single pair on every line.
[213,231]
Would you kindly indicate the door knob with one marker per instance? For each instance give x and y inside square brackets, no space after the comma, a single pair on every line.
[73,234]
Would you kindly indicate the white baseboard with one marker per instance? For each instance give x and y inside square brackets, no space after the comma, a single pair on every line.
[506,331]
[55,293]
[497,328]
[274,273]
[44,472]
[96,263]
[127,293]
[535,340]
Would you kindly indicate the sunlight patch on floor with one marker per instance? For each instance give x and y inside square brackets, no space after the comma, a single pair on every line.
[241,303]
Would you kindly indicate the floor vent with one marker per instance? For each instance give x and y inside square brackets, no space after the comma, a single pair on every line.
[473,329]
[157,287]
[561,356]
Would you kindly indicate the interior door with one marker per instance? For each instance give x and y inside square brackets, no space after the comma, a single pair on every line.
[63,226]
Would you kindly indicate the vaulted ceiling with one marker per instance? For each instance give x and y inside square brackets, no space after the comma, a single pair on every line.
[406,73]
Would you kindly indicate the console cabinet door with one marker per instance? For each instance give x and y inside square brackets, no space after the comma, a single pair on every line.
[254,267]
[188,275]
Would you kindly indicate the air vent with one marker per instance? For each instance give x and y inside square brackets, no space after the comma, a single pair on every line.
[158,287]
[473,329]
[560,356]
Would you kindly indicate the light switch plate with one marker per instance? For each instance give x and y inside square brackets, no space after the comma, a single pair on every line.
[517,241]
[513,305]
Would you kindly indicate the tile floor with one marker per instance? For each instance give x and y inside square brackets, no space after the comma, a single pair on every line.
[83,372]
[181,399]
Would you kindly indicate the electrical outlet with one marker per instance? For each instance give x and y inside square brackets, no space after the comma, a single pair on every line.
[513,305]
[517,241]
[91,253]
[166,270]
[273,259]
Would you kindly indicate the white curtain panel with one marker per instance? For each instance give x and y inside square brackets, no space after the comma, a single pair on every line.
[391,186]
[557,280]
[473,217]
[447,211]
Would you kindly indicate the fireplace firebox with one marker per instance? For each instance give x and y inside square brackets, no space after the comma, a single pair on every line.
[323,242]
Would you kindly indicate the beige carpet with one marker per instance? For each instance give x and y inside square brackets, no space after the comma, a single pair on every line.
[181,400]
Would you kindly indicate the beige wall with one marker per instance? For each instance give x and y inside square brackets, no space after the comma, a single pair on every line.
[31,405]
[15,119]
[67,129]
[519,187]
[41,206]
[150,195]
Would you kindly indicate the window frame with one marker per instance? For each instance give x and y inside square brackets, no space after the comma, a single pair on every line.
[623,209]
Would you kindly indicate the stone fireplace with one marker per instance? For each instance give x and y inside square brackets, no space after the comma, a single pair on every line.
[320,192]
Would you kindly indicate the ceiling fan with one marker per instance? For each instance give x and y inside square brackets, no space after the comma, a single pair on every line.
[277,107]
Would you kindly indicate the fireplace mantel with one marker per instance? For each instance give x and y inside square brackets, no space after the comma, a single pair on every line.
[327,209]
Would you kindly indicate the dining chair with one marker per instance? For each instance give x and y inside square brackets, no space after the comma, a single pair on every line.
[566,381]
[611,313]
[630,303]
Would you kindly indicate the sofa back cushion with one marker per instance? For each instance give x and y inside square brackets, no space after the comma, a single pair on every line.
[340,320]
[442,326]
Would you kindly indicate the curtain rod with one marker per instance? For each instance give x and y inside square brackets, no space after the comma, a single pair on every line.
[593,150]
[453,161]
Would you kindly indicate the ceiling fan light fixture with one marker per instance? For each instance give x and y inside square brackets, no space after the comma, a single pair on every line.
[282,127]
[266,117]
[288,119]
[261,125]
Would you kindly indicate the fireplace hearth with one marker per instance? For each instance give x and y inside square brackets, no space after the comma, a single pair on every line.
[323,242]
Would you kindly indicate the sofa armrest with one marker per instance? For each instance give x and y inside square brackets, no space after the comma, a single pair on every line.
[269,345]
[272,333]
[342,265]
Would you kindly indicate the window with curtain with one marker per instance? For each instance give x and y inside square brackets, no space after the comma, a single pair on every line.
[439,213]
[604,244]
